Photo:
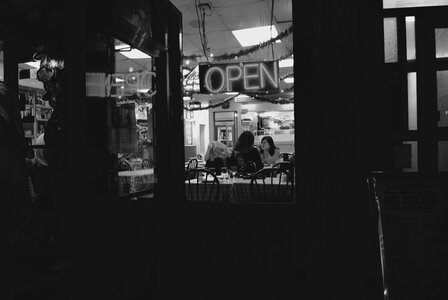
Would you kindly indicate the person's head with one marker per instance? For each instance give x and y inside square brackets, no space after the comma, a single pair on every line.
[217,150]
[267,144]
[245,142]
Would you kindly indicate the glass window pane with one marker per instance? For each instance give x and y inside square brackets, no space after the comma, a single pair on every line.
[441,42]
[412,160]
[2,73]
[412,101]
[442,98]
[130,114]
[413,3]
[390,40]
[443,156]
[410,38]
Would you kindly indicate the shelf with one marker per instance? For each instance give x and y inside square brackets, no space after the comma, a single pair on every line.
[29,136]
[42,120]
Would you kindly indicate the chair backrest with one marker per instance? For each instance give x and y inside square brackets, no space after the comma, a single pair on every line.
[146,164]
[249,167]
[201,185]
[271,185]
[124,165]
[285,156]
[192,164]
[286,167]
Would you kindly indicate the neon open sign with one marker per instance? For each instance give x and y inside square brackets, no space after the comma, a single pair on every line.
[253,76]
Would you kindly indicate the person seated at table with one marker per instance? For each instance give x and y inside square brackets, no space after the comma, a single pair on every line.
[216,155]
[245,148]
[269,153]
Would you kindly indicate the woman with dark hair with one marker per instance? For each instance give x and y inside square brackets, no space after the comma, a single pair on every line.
[270,154]
[245,148]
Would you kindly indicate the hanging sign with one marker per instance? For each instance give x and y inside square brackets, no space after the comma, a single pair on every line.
[241,77]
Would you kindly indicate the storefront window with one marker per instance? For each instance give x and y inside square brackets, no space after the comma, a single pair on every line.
[441,35]
[239,96]
[410,38]
[413,3]
[412,101]
[131,137]
[390,40]
[130,117]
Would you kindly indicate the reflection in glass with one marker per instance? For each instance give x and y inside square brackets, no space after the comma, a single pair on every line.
[443,156]
[442,98]
[410,38]
[390,40]
[130,120]
[413,3]
[412,101]
[441,36]
[413,167]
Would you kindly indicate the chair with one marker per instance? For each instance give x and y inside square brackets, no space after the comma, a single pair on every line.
[146,164]
[124,165]
[192,164]
[249,167]
[285,156]
[269,185]
[201,185]
[287,168]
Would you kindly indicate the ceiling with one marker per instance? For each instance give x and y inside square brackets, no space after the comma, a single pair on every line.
[227,15]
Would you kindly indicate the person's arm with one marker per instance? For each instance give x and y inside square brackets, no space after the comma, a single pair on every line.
[276,157]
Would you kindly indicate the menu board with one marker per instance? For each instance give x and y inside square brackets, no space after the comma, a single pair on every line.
[414,222]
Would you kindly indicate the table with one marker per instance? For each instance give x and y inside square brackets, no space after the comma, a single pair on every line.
[134,181]
[235,190]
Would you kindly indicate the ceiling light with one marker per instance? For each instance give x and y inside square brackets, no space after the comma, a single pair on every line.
[186,98]
[284,63]
[119,80]
[254,36]
[232,93]
[34,64]
[131,53]
[289,80]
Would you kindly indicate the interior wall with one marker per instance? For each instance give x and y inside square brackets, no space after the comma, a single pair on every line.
[232,107]
[201,117]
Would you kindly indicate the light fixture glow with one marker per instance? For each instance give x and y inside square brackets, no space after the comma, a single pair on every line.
[289,80]
[231,93]
[34,64]
[132,53]
[254,36]
[186,98]
[284,63]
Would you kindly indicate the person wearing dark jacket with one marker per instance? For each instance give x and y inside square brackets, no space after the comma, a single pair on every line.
[245,148]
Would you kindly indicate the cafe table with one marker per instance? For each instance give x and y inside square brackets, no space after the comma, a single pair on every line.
[134,181]
[234,190]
